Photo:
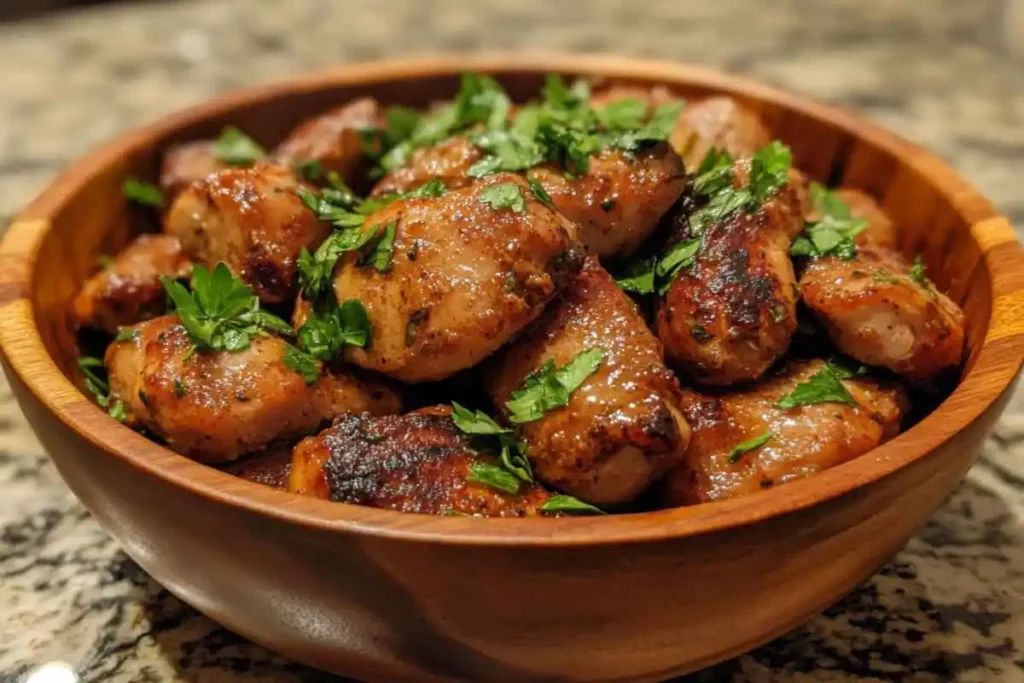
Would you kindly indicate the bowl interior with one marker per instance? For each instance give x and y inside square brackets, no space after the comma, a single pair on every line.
[935,211]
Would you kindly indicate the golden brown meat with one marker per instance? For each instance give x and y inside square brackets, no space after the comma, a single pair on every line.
[270,469]
[881,231]
[414,463]
[449,160]
[464,278]
[881,312]
[129,290]
[186,163]
[216,407]
[721,123]
[253,220]
[730,315]
[621,429]
[804,440]
[333,139]
[620,199]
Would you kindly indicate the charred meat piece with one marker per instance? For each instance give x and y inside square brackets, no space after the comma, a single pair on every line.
[333,140]
[621,429]
[743,441]
[418,462]
[881,311]
[466,273]
[731,314]
[128,290]
[253,220]
[218,406]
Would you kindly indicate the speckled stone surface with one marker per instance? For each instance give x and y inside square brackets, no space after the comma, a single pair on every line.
[949,75]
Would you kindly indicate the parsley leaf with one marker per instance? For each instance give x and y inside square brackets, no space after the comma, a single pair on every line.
[97,385]
[824,386]
[316,269]
[434,187]
[139,192]
[495,477]
[540,193]
[769,170]
[833,234]
[571,505]
[381,254]
[302,363]
[504,196]
[715,180]
[220,313]
[746,446]
[681,255]
[550,387]
[324,335]
[475,421]
[917,273]
[638,276]
[126,334]
[235,148]
[511,453]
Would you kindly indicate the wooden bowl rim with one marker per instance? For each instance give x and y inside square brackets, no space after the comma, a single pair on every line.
[991,375]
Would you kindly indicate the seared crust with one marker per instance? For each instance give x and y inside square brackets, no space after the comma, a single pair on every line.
[218,406]
[414,463]
[875,312]
[805,440]
[129,290]
[332,139]
[730,315]
[465,277]
[253,220]
[621,429]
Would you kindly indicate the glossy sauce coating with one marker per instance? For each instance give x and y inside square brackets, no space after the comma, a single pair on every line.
[721,123]
[218,406]
[414,463]
[129,290]
[185,163]
[622,428]
[620,199]
[253,220]
[464,278]
[875,312]
[333,139]
[881,231]
[730,315]
[805,440]
[448,161]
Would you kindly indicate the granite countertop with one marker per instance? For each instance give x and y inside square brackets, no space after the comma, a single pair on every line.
[947,74]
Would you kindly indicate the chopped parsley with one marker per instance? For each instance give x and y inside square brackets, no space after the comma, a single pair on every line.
[382,251]
[220,313]
[491,437]
[302,363]
[569,505]
[98,387]
[824,386]
[504,196]
[833,234]
[126,334]
[750,444]
[917,273]
[680,255]
[550,387]
[540,193]
[324,335]
[180,390]
[309,169]
[495,477]
[139,192]
[235,148]
[638,276]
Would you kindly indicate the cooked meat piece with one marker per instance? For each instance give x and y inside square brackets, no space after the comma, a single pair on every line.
[129,290]
[621,429]
[881,231]
[464,278]
[730,315]
[186,163]
[620,199]
[719,122]
[804,440]
[218,406]
[270,470]
[414,463]
[333,139]
[253,220]
[876,311]
[449,160]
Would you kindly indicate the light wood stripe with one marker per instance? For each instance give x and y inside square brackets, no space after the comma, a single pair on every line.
[992,232]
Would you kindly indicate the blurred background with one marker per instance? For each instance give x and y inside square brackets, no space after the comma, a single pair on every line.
[948,74]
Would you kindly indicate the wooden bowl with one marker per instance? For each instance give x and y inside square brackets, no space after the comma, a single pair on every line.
[384,595]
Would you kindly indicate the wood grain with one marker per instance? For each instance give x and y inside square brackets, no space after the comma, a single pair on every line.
[387,596]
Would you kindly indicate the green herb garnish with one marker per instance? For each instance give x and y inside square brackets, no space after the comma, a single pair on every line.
[98,387]
[680,255]
[570,505]
[324,335]
[639,276]
[504,196]
[746,446]
[540,193]
[139,192]
[383,247]
[495,439]
[824,386]
[833,234]
[302,363]
[917,273]
[495,477]
[220,313]
[126,334]
[235,148]
[550,387]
